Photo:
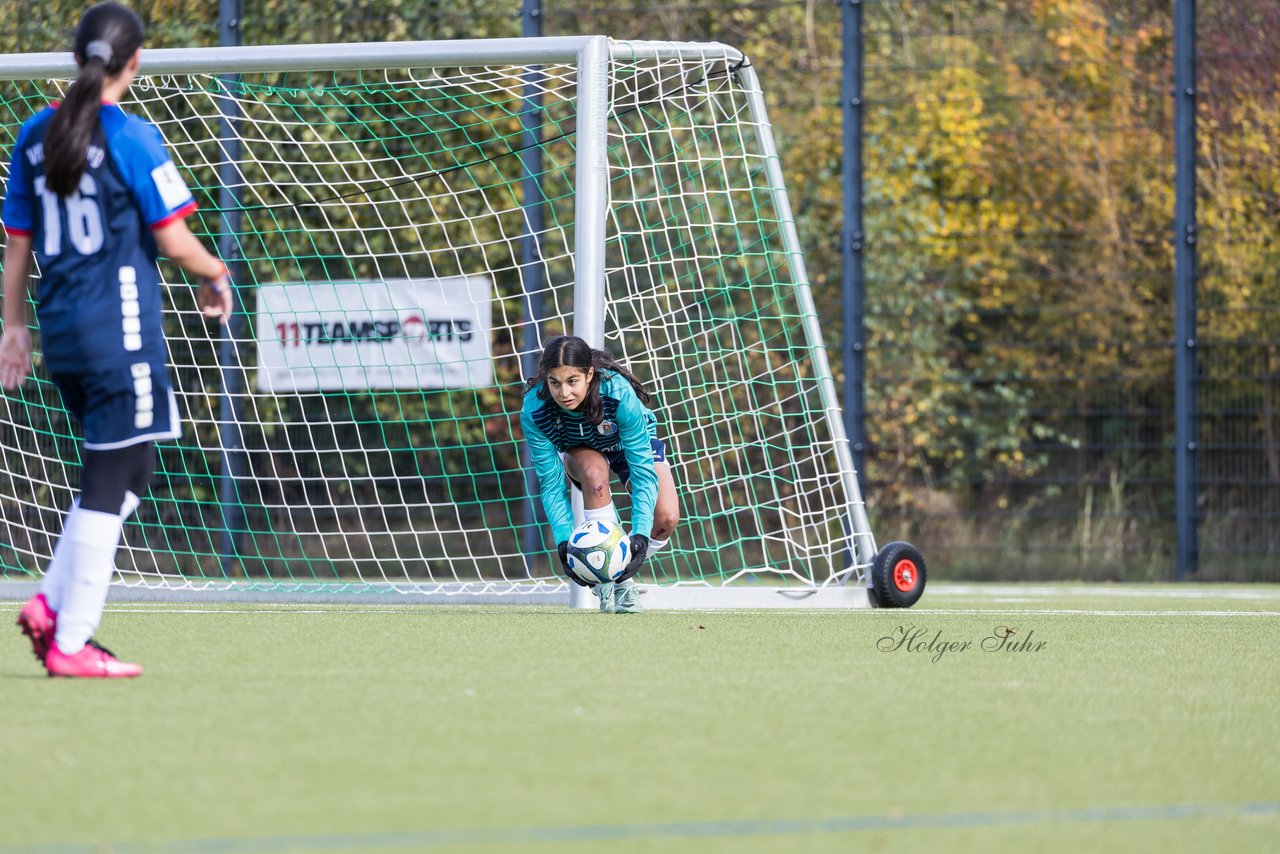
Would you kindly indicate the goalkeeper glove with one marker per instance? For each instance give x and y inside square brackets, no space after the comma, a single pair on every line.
[564,550]
[639,551]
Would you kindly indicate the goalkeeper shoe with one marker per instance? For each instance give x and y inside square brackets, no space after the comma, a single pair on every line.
[606,593]
[91,662]
[38,622]
[626,598]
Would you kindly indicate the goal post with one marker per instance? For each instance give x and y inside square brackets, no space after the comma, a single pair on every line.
[371,443]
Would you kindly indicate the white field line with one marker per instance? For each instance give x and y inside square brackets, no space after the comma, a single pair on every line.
[414,610]
[1042,612]
[1268,593]
[251,610]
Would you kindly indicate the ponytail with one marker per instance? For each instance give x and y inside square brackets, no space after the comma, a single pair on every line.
[569,351]
[107,38]
[66,145]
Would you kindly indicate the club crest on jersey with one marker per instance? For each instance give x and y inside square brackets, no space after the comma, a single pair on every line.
[607,428]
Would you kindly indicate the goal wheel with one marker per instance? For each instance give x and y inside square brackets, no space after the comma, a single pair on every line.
[897,576]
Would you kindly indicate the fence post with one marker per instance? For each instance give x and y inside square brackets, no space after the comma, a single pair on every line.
[532,276]
[1184,60]
[234,466]
[852,286]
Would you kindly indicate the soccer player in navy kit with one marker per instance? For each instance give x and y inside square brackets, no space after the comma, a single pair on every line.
[584,415]
[93,192]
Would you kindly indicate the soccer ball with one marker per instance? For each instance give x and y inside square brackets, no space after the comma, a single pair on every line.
[607,552]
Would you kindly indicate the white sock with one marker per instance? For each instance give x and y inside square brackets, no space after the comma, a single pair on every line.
[607,513]
[654,545]
[55,576]
[95,537]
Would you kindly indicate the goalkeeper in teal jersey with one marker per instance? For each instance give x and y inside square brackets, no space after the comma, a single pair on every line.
[584,416]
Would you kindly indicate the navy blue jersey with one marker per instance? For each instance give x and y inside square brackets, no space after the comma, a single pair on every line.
[98,299]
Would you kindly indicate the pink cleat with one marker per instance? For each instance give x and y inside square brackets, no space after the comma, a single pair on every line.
[93,661]
[38,622]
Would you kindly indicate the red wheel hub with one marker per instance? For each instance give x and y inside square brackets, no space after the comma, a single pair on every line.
[905,575]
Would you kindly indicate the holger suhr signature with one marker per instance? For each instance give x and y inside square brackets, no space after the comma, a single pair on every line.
[920,639]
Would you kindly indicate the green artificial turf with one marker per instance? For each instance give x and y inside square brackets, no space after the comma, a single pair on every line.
[1128,722]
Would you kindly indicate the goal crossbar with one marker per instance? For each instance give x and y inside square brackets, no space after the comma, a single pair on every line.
[360,56]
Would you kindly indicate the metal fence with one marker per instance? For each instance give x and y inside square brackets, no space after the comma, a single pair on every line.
[1067,228]
[1011,366]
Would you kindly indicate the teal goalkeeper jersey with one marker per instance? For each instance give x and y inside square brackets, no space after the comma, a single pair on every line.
[628,428]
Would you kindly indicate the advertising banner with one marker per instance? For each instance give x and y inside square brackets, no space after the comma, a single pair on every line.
[396,334]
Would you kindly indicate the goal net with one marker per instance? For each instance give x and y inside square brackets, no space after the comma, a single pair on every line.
[405,225]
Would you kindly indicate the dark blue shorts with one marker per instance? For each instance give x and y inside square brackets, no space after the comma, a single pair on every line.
[122,406]
[618,461]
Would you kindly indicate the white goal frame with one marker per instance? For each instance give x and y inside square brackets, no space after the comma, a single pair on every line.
[592,55]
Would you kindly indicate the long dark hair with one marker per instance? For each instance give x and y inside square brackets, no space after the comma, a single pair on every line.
[66,144]
[570,351]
